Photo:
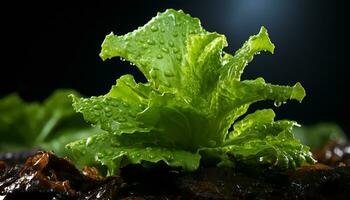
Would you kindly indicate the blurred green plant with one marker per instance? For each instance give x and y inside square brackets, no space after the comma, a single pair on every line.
[49,125]
[315,136]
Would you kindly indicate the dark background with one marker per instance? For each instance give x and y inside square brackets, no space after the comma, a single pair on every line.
[56,46]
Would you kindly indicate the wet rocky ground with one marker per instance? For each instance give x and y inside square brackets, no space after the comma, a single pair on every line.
[43,175]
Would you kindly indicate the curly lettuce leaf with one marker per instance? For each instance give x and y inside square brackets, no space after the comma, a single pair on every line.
[119,151]
[233,65]
[193,96]
[50,125]
[157,48]
[257,137]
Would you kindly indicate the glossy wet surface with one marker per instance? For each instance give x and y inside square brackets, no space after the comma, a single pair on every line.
[46,176]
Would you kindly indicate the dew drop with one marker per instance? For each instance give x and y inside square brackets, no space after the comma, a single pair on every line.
[97,107]
[114,103]
[150,42]
[105,51]
[168,73]
[175,34]
[97,114]
[165,50]
[170,157]
[159,56]
[88,141]
[107,109]
[178,57]
[125,104]
[161,41]
[277,103]
[154,28]
[171,44]
[176,50]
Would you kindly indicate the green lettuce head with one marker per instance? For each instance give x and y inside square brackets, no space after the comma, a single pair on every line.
[193,96]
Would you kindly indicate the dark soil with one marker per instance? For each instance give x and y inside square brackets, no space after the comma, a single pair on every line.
[46,176]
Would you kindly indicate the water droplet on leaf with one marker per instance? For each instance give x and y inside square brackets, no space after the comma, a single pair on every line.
[277,103]
[178,57]
[167,84]
[176,50]
[165,50]
[154,28]
[168,73]
[150,42]
[97,107]
[97,114]
[88,141]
